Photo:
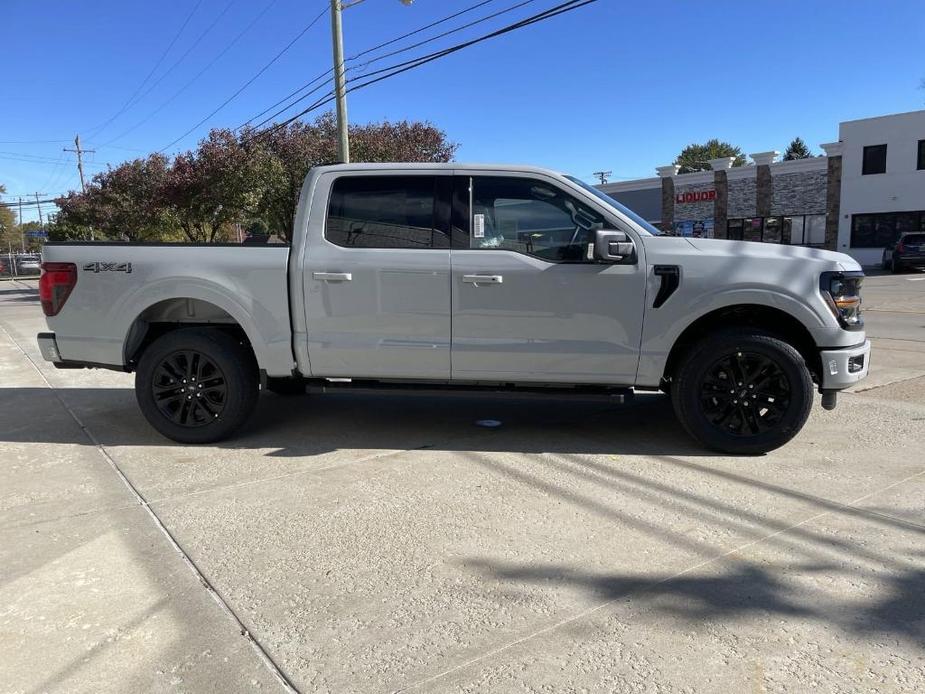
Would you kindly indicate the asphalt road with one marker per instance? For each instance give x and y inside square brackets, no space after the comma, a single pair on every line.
[378,544]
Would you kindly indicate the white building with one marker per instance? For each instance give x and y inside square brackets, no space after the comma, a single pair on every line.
[867,189]
[883,182]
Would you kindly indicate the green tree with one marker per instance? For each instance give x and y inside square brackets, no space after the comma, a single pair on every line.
[220,183]
[696,157]
[8,231]
[797,149]
[123,203]
[230,179]
[294,149]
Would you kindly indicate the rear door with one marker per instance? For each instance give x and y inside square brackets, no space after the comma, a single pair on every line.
[377,277]
[528,304]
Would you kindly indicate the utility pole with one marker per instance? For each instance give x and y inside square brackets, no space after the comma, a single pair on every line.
[80,162]
[340,85]
[22,234]
[337,40]
[39,204]
[603,175]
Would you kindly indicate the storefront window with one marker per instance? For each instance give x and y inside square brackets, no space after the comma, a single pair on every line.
[734,229]
[751,230]
[772,230]
[814,234]
[882,229]
[795,225]
[799,230]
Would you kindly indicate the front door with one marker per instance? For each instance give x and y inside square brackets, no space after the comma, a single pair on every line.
[528,304]
[377,277]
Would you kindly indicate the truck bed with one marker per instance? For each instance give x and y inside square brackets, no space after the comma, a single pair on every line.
[123,287]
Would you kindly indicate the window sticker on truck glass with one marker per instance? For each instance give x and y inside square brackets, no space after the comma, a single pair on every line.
[478,226]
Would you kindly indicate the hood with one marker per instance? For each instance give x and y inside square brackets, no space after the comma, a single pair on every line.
[769,251]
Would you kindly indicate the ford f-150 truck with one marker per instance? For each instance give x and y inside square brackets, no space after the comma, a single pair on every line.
[450,276]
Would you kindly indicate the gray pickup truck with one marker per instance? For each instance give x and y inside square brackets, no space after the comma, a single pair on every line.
[450,277]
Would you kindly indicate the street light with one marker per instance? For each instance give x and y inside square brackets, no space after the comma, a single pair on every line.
[340,92]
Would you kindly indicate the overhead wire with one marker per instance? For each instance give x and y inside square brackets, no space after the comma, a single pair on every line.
[398,68]
[327,72]
[92,132]
[196,77]
[250,81]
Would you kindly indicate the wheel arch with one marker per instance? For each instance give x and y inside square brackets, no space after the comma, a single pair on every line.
[166,315]
[769,319]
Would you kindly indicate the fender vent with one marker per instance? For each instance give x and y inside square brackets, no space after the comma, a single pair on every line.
[671,280]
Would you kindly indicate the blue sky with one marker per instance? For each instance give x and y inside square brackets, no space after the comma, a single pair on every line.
[614,85]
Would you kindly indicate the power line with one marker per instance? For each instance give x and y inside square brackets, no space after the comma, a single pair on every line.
[375,48]
[443,35]
[199,74]
[31,142]
[405,66]
[251,80]
[419,30]
[195,44]
[98,129]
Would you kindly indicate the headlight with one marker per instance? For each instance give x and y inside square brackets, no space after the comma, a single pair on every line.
[842,294]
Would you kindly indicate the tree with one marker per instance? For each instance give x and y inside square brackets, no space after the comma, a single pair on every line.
[797,149]
[231,179]
[8,231]
[221,183]
[123,203]
[297,147]
[696,157]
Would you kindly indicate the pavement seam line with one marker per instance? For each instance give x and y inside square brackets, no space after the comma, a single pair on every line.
[262,654]
[597,608]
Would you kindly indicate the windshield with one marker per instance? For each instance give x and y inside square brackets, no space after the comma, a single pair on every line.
[603,197]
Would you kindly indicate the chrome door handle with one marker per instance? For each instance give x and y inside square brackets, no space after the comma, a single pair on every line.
[332,276]
[483,279]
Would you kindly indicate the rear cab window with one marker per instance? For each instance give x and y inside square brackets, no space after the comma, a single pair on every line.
[389,212]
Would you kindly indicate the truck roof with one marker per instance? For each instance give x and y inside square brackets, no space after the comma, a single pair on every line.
[453,165]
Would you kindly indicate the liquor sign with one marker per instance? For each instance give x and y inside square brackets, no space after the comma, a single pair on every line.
[695,196]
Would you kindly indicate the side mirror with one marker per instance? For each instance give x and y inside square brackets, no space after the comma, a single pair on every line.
[612,246]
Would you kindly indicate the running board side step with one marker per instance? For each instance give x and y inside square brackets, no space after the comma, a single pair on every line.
[616,395]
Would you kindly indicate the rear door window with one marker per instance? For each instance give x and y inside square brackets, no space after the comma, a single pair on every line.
[385,212]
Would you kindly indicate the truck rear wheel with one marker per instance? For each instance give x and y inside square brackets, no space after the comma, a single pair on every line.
[197,385]
[743,392]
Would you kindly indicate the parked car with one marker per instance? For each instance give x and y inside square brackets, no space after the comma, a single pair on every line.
[475,278]
[908,251]
[28,265]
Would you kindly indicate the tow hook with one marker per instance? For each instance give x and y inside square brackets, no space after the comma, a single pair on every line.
[829,399]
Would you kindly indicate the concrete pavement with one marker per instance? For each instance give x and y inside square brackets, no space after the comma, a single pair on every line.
[388,544]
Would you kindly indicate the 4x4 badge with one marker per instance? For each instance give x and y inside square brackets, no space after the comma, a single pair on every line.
[108,267]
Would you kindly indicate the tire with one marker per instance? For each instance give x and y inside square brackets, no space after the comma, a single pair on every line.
[770,371]
[286,386]
[219,404]
[895,267]
[885,264]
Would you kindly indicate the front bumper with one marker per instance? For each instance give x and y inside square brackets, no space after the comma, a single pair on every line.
[48,346]
[842,368]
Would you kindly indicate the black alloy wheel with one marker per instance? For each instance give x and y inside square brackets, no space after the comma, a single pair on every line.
[744,394]
[742,391]
[197,385]
[189,389]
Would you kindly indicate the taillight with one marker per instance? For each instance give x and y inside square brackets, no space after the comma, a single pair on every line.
[55,285]
[900,248]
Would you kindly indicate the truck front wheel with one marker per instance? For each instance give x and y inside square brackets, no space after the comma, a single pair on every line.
[742,392]
[197,385]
